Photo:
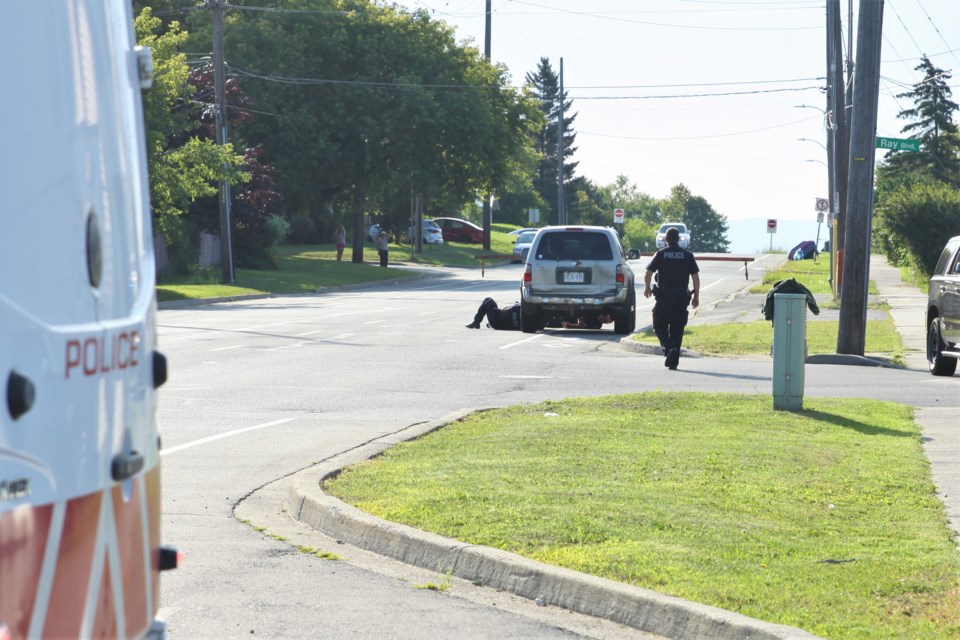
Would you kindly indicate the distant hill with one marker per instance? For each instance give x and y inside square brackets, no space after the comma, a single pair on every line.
[750,235]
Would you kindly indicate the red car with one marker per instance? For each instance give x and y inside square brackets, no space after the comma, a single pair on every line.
[457,230]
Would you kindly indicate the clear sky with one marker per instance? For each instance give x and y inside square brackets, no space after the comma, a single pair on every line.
[637,72]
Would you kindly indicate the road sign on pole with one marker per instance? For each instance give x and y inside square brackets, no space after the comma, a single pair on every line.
[772,225]
[822,204]
[898,144]
[618,216]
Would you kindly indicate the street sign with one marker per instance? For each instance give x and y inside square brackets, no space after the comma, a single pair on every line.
[819,216]
[898,144]
[822,204]
[772,225]
[618,216]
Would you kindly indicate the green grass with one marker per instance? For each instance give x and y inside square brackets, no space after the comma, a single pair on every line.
[756,338]
[813,274]
[304,269]
[824,519]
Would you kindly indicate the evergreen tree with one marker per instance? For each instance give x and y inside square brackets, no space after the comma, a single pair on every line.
[930,122]
[545,86]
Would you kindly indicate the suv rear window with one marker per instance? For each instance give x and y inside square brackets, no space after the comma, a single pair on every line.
[574,245]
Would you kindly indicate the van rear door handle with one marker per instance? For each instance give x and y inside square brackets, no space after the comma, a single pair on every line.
[126,465]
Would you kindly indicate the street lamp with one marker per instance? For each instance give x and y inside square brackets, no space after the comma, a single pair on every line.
[816,141]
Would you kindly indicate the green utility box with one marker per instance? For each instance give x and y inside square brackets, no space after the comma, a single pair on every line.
[789,350]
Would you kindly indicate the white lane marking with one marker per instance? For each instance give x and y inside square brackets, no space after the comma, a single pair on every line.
[308,333]
[526,377]
[236,346]
[519,342]
[712,284]
[375,321]
[220,436]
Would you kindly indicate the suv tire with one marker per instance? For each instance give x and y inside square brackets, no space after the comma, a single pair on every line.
[529,318]
[627,322]
[940,365]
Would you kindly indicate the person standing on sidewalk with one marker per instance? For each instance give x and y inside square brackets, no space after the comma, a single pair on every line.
[383,244]
[674,268]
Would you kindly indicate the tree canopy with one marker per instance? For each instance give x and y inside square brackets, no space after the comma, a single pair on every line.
[367,105]
[918,193]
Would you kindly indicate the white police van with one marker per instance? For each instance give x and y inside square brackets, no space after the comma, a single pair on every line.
[80,550]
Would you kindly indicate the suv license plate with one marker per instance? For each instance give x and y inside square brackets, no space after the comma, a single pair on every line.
[573,277]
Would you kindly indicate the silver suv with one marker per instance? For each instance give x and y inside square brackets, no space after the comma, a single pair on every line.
[943,312]
[577,272]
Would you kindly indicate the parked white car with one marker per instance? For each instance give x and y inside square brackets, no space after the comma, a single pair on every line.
[684,235]
[432,233]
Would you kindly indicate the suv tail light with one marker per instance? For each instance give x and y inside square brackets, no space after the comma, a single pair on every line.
[620,279]
[527,274]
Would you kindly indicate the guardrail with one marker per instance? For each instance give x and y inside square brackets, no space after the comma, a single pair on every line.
[744,259]
[483,257]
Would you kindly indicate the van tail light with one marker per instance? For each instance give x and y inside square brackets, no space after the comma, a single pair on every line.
[620,279]
[527,274]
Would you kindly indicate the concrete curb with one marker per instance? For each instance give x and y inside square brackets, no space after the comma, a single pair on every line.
[634,607]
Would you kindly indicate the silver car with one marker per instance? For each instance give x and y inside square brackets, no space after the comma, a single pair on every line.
[521,246]
[577,273]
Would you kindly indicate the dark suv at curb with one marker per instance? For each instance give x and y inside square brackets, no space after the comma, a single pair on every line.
[577,272]
[943,312]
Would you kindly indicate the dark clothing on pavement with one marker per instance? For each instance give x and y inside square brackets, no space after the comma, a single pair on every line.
[673,267]
[507,319]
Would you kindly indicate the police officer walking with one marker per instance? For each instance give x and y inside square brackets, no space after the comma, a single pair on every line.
[674,267]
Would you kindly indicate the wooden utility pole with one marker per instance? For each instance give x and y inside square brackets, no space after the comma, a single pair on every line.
[487,217]
[851,337]
[220,97]
[839,138]
[561,209]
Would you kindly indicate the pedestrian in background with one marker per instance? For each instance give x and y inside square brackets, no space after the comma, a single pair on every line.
[340,239]
[674,268]
[383,244]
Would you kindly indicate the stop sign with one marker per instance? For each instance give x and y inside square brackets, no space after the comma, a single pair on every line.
[618,216]
[771,225]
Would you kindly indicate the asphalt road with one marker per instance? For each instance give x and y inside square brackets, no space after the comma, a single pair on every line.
[261,389]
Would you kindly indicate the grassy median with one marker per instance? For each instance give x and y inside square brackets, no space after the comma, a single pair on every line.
[304,269]
[825,519]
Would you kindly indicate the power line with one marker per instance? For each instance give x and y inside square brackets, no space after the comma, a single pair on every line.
[696,84]
[696,95]
[935,28]
[718,135]
[663,24]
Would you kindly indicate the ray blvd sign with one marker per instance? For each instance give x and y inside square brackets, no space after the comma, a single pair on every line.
[898,144]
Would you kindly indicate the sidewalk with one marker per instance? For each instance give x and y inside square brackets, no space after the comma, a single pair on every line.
[941,426]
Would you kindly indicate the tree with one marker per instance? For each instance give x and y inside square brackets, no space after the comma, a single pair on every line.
[545,85]
[183,168]
[708,229]
[371,105]
[931,122]
[917,193]
[915,221]
[254,205]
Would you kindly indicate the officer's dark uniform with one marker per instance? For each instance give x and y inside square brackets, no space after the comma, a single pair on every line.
[507,319]
[673,267]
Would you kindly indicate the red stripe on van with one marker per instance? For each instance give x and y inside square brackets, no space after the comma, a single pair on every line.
[69,593]
[133,569]
[23,537]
